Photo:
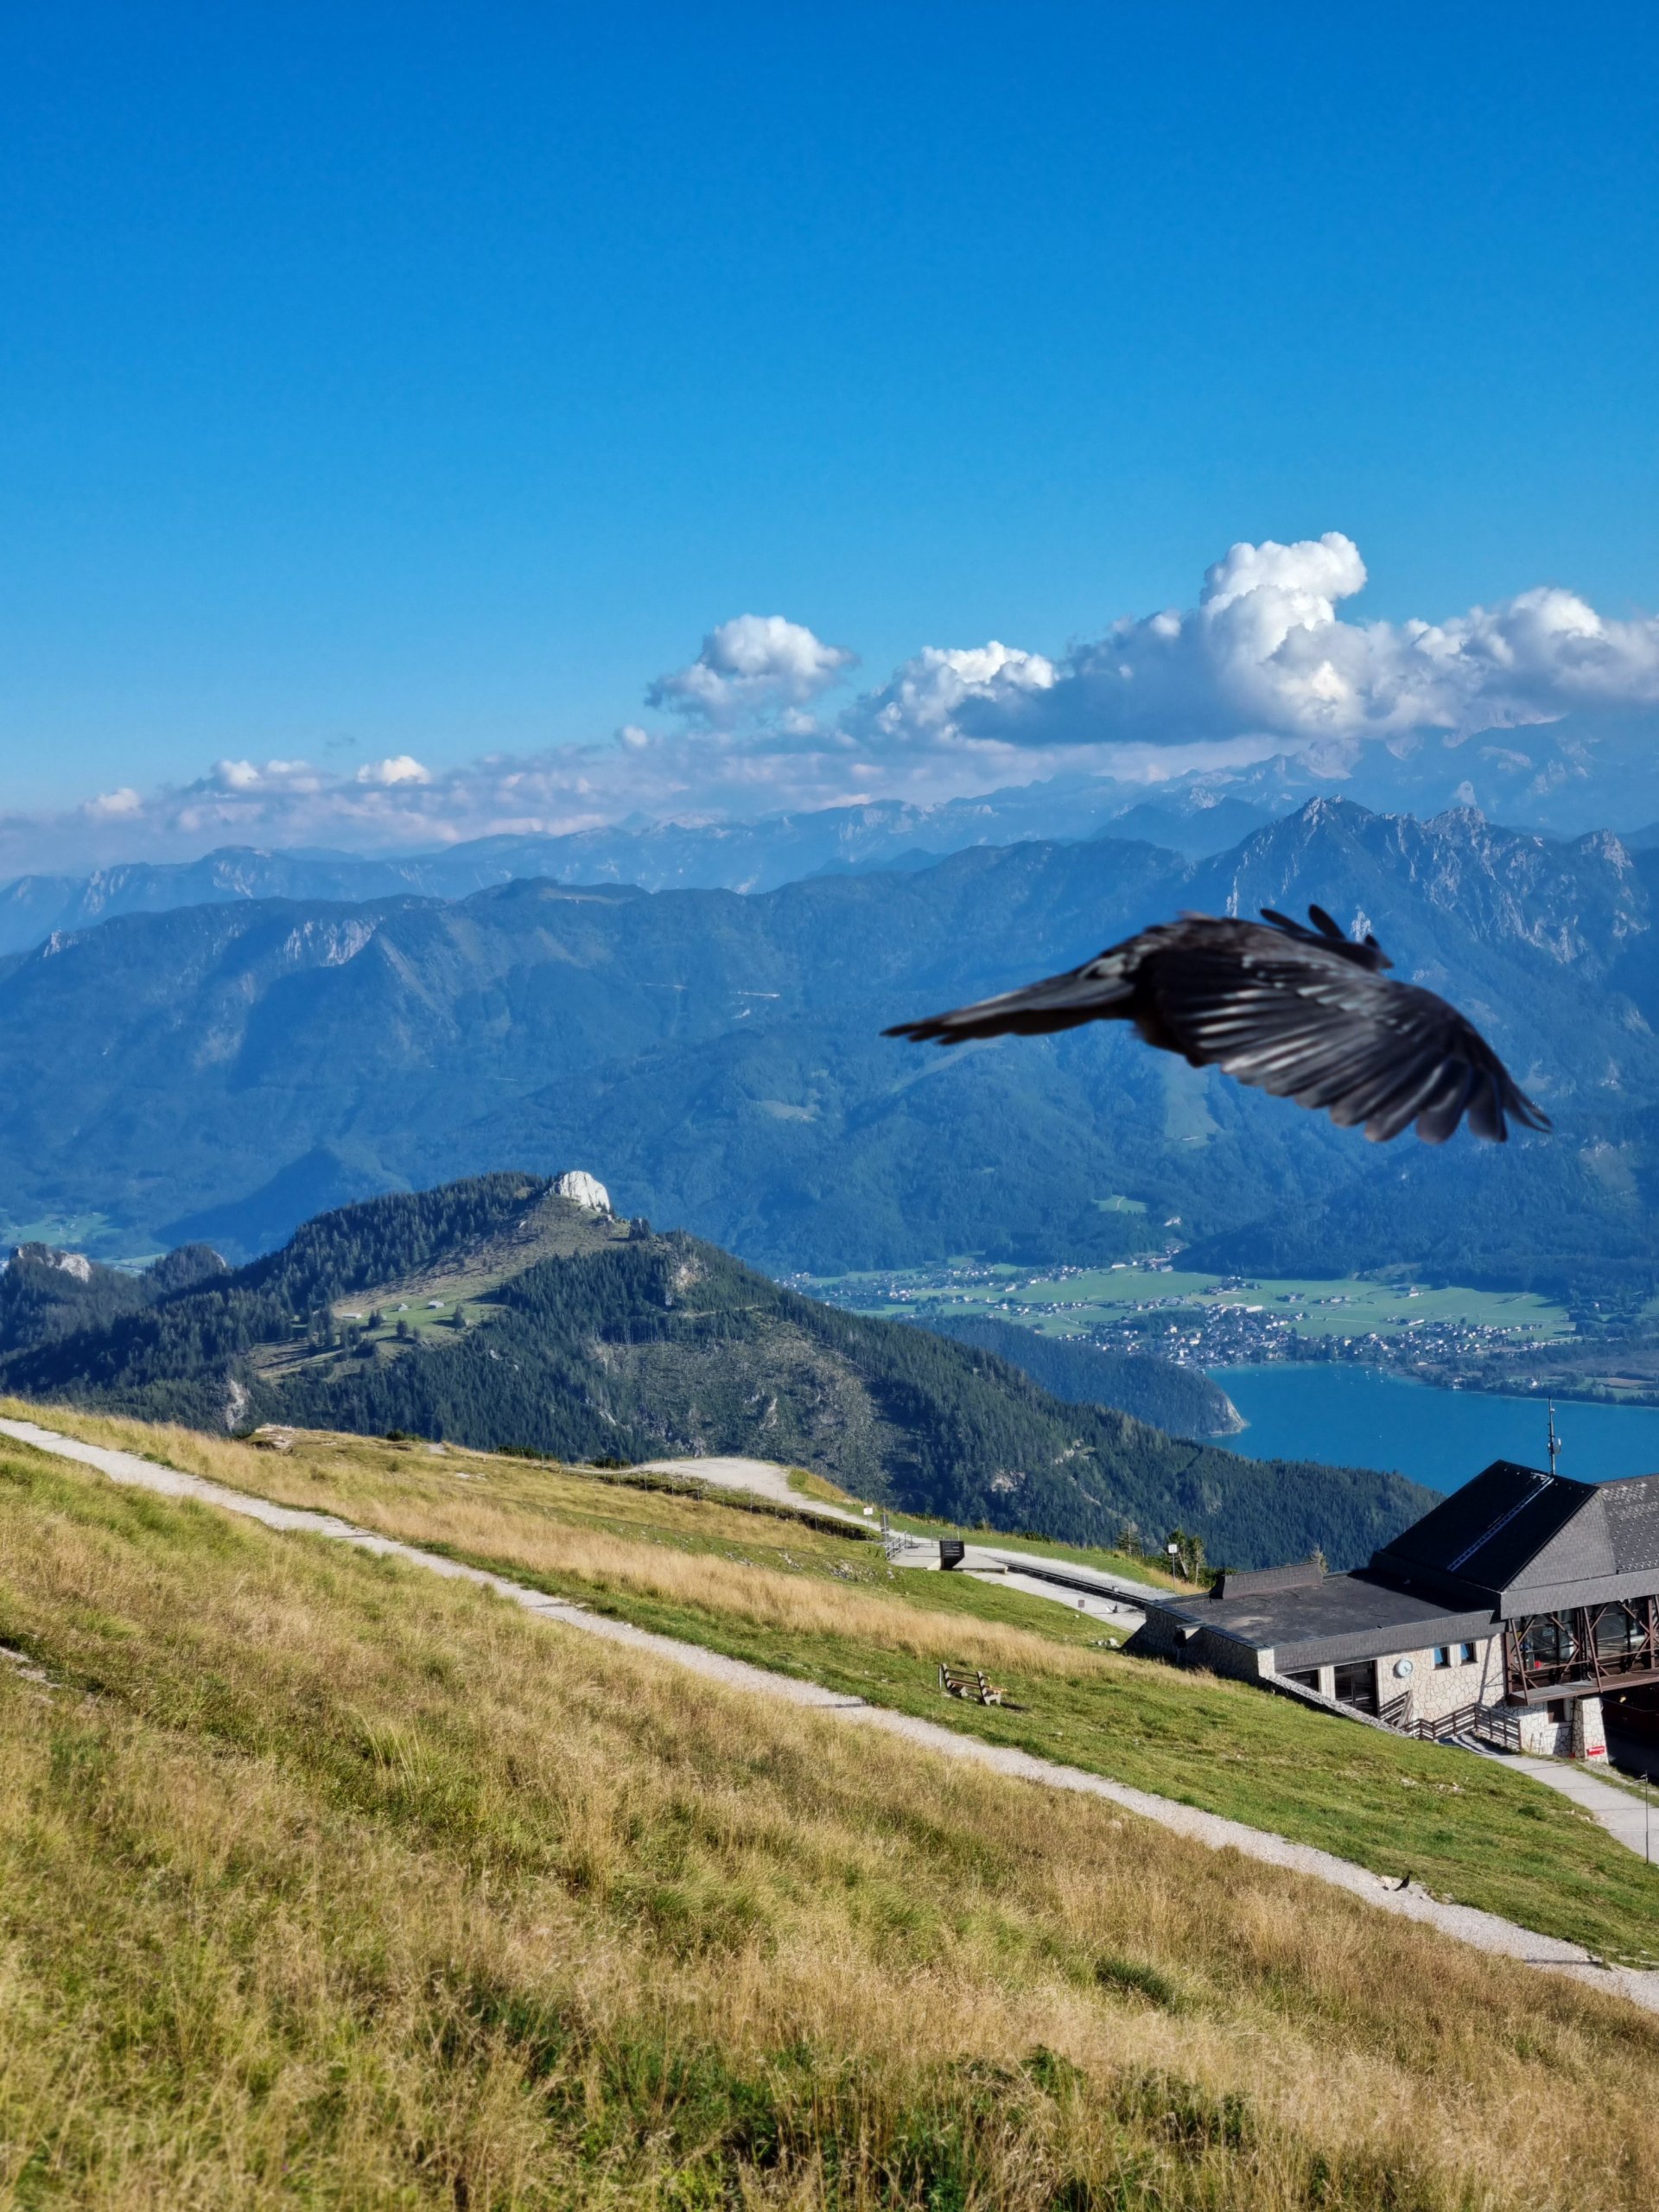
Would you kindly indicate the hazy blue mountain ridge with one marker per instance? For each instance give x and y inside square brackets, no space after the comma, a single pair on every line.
[729,856]
[221,1071]
[1570,779]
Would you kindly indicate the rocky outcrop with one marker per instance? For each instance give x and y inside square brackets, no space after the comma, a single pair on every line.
[47,1255]
[582,1190]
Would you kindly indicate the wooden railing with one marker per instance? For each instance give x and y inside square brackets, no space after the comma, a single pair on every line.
[1497,1725]
[1491,1724]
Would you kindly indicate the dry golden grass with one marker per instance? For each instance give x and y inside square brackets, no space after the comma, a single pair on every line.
[520,1516]
[321,1883]
[763,1589]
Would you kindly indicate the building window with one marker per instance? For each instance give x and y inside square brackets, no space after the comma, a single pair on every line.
[1556,1711]
[1442,1655]
[1466,1655]
[1308,1677]
[1548,1642]
[1355,1685]
[1618,1632]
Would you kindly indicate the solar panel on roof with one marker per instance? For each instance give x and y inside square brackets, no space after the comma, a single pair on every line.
[1540,1484]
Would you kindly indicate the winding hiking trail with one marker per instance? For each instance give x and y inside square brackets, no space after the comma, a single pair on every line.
[1485,1930]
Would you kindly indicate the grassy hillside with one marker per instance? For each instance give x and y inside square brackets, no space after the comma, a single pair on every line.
[496,1313]
[823,1604]
[324,1882]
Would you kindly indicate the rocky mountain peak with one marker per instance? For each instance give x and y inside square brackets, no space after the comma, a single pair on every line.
[1576,903]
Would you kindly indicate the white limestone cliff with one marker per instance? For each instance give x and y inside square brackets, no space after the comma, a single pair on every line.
[582,1190]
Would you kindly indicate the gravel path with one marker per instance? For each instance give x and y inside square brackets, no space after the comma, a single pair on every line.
[764,1477]
[1622,1813]
[1485,1930]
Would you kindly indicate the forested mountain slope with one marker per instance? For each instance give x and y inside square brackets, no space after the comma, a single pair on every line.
[46,1293]
[1180,1399]
[564,1331]
[221,1072]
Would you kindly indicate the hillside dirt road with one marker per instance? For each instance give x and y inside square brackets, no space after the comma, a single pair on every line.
[764,1477]
[1081,1588]
[1485,1930]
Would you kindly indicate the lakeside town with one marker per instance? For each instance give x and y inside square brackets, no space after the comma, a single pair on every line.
[1460,1338]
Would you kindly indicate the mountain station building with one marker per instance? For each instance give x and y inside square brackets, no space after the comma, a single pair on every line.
[1524,1610]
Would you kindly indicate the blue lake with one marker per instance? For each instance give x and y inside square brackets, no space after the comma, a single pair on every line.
[1363,1417]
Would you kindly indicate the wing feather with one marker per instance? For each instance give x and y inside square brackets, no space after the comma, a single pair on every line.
[1443,1109]
[1058,1002]
[1102,989]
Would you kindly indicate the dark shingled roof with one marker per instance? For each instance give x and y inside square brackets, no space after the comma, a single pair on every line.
[1484,1534]
[1515,1540]
[1525,1542]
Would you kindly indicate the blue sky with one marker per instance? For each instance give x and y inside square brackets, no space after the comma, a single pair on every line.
[419,382]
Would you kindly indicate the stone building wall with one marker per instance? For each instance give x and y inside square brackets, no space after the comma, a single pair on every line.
[1436,1690]
[1224,1654]
[1544,1738]
[1157,1635]
[1164,1635]
[1589,1736]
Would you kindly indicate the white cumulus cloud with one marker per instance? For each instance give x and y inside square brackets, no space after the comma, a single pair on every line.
[936,696]
[1269,663]
[1265,650]
[115,806]
[400,768]
[753,665]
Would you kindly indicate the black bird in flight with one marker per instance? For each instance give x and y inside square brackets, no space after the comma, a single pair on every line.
[1304,1014]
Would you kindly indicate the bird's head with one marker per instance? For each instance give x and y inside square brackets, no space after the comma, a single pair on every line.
[1364,952]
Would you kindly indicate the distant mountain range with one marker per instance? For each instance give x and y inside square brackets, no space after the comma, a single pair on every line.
[499,1312]
[1560,780]
[661,856]
[224,1072]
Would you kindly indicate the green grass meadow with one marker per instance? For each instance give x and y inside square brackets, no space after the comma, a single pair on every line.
[327,1881]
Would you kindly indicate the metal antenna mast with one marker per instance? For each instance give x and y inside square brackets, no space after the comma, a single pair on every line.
[1555,1441]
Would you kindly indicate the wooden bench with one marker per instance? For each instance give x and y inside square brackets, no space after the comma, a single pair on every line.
[970,1683]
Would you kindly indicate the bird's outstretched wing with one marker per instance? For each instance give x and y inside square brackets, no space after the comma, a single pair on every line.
[1301,1013]
[1110,988]
[1306,1023]
[1101,990]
